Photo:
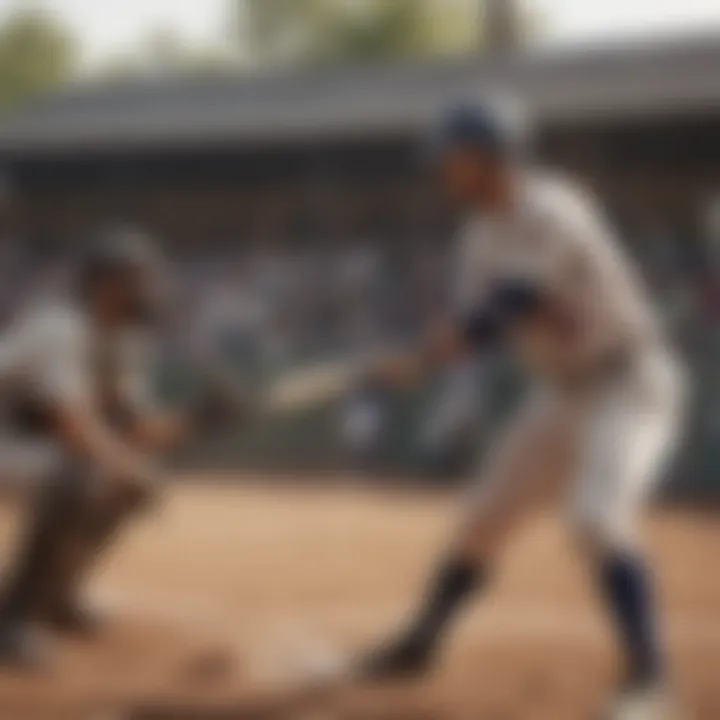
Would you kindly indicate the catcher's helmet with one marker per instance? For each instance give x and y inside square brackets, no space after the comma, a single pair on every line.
[118,249]
[496,128]
[130,258]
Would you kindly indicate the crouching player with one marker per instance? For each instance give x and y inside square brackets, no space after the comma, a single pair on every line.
[539,271]
[76,375]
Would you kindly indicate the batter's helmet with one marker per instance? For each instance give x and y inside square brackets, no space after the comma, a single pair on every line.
[120,248]
[496,127]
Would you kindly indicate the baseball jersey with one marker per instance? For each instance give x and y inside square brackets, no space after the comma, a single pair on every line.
[557,240]
[55,354]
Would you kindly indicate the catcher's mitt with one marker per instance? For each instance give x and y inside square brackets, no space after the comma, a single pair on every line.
[220,404]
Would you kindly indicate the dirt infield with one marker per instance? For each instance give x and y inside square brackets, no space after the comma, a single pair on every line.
[223,602]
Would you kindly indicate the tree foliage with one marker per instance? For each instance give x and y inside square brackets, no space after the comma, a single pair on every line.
[325,31]
[37,54]
[164,51]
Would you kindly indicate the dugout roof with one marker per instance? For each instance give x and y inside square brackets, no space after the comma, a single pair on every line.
[608,84]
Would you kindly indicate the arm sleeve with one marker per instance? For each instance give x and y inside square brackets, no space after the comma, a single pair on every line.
[15,346]
[470,288]
[484,307]
[57,353]
[139,361]
[578,229]
[468,272]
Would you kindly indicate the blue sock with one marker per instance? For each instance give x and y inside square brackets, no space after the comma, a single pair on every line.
[627,584]
[449,590]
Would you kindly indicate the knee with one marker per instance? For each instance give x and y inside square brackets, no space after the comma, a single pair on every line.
[598,534]
[128,498]
[481,534]
[61,493]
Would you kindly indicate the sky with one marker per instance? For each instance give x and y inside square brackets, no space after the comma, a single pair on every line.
[108,27]
[588,20]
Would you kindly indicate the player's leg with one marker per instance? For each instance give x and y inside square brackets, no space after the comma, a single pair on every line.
[526,462]
[101,508]
[106,509]
[71,521]
[631,435]
[38,563]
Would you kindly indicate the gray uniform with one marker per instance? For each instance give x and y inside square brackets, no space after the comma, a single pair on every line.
[55,355]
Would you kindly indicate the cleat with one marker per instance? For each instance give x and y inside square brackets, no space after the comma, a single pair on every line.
[406,658]
[646,702]
[74,619]
[22,647]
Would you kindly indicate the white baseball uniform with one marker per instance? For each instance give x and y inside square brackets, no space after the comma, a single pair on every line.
[606,387]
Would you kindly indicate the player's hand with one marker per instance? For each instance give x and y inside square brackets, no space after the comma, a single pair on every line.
[443,342]
[219,405]
[142,489]
[398,370]
[160,431]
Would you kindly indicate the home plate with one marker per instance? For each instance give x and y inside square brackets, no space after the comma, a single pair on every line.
[293,656]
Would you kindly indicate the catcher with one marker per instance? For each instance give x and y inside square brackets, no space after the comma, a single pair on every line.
[76,375]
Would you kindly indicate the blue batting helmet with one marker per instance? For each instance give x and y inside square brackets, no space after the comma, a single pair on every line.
[493,128]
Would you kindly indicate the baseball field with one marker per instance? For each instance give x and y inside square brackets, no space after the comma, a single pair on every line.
[233,600]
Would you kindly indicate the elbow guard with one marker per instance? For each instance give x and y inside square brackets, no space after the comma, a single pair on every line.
[507,302]
[482,328]
[516,299]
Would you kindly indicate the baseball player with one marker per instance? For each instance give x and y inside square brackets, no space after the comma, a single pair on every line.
[539,271]
[77,375]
